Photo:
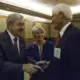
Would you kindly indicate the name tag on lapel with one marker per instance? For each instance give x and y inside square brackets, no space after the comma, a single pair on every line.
[57,52]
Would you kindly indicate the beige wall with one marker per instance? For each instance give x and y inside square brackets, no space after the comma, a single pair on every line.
[28,27]
[77,23]
[2,23]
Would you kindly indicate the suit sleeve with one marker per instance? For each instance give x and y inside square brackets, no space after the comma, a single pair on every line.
[30,52]
[7,67]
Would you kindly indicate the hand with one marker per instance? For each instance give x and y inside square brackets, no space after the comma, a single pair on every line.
[29,68]
[42,62]
[38,67]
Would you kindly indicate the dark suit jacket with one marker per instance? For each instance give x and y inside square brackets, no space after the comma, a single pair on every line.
[68,66]
[10,60]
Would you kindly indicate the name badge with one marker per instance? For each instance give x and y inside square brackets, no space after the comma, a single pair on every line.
[57,52]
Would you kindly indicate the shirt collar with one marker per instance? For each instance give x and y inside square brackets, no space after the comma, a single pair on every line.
[11,35]
[64,29]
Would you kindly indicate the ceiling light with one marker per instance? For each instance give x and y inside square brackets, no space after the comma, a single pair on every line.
[31,5]
[75,9]
[28,17]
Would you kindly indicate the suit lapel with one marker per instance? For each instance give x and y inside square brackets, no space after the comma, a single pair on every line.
[9,46]
[65,35]
[22,48]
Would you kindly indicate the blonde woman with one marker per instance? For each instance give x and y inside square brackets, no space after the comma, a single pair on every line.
[40,49]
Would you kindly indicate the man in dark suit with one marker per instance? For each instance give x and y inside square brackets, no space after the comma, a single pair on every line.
[13,61]
[66,63]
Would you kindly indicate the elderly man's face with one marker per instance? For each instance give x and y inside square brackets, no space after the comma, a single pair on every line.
[57,21]
[17,27]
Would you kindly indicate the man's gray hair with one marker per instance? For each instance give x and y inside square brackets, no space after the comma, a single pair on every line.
[63,8]
[13,17]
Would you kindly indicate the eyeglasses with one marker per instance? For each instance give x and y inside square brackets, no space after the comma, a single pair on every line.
[20,24]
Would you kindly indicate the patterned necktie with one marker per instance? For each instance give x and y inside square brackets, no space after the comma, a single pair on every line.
[15,44]
[57,40]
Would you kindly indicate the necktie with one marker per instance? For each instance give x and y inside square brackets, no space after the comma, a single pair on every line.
[15,44]
[57,40]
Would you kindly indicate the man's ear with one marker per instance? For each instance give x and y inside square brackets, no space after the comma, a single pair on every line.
[62,15]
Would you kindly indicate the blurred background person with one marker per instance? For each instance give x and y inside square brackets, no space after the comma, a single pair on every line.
[40,50]
[13,59]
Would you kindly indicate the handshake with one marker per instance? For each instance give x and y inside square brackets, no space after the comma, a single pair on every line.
[43,64]
[31,68]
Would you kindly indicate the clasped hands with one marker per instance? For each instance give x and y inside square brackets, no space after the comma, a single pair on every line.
[31,68]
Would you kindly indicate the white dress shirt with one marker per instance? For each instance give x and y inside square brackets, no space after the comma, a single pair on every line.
[64,29]
[12,39]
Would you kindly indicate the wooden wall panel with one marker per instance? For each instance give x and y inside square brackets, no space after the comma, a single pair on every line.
[2,23]
[28,29]
[77,23]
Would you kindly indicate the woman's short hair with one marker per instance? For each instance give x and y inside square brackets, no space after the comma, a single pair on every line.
[36,28]
[63,8]
[12,17]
